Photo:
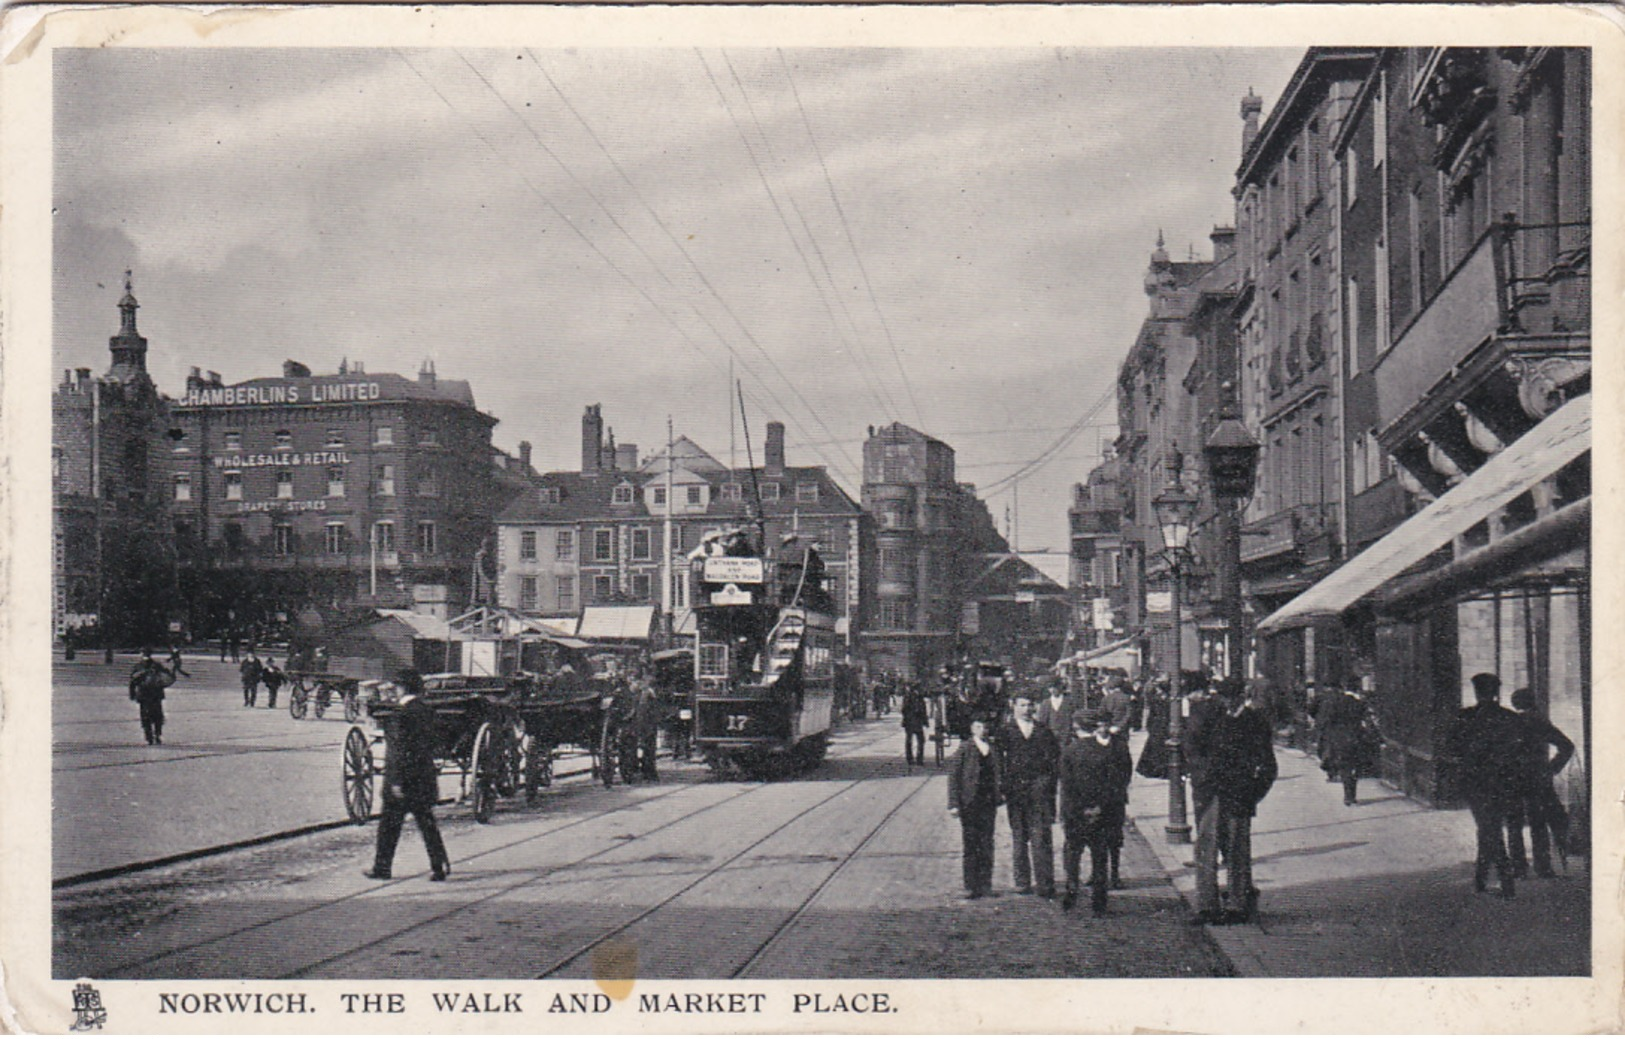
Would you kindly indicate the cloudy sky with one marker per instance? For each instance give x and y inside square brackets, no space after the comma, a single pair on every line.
[951,238]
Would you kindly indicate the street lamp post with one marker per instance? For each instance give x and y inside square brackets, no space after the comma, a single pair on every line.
[1176,508]
[1231,454]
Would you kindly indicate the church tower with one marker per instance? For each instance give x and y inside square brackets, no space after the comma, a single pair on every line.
[129,347]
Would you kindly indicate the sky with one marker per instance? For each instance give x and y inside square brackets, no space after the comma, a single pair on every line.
[950,238]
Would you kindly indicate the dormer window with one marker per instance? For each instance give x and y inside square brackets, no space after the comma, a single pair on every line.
[622,494]
[696,494]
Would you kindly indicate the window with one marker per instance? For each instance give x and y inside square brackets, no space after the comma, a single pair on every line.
[659,495]
[183,487]
[564,545]
[386,481]
[338,539]
[284,483]
[1352,350]
[429,437]
[234,485]
[284,439]
[1351,176]
[567,592]
[527,544]
[696,495]
[1380,260]
[770,492]
[642,587]
[384,436]
[551,496]
[383,533]
[429,484]
[679,588]
[622,495]
[713,660]
[806,492]
[640,543]
[335,438]
[427,539]
[603,546]
[282,539]
[527,593]
[234,440]
[732,492]
[893,615]
[603,587]
[1379,122]
[335,481]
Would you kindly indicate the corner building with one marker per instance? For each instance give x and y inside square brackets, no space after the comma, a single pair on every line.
[349,488]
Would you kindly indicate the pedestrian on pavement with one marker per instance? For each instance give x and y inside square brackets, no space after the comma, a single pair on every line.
[236,646]
[1056,712]
[1548,822]
[1030,755]
[1486,743]
[1094,778]
[148,680]
[1344,735]
[250,672]
[175,667]
[915,715]
[1154,755]
[1118,703]
[273,677]
[1231,759]
[411,781]
[1136,695]
[975,791]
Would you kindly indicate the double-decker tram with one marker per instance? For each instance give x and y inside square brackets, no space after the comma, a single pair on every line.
[764,657]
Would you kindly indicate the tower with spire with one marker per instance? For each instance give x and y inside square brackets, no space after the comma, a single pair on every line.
[129,347]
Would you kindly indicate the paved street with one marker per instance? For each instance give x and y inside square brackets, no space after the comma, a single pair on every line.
[852,871]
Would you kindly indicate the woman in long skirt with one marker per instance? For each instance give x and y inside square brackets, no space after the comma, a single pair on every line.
[1154,755]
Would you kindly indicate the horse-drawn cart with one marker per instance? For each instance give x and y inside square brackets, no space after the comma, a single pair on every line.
[499,734]
[978,691]
[313,692]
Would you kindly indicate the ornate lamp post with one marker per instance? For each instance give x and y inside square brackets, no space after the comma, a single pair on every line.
[1176,508]
[1232,461]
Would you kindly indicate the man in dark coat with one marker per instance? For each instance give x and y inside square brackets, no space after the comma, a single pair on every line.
[1118,703]
[1548,822]
[1486,743]
[1343,731]
[915,715]
[1230,756]
[250,673]
[410,781]
[1094,778]
[1030,754]
[148,680]
[975,791]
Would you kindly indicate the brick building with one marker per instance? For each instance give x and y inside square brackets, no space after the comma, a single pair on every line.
[596,537]
[347,488]
[113,558]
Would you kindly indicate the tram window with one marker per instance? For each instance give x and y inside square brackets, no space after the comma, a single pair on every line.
[714,660]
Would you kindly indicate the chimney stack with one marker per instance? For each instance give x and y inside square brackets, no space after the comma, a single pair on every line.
[1224,243]
[626,457]
[524,454]
[1252,106]
[592,440]
[773,453]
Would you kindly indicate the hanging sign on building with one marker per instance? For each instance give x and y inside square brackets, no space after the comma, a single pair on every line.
[730,595]
[1159,602]
[733,570]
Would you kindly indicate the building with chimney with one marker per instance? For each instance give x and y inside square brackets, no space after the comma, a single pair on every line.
[597,537]
[112,554]
[341,489]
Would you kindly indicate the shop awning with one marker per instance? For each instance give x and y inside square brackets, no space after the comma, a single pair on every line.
[615,622]
[1561,437]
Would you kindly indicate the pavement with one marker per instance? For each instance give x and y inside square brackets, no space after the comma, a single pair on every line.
[1382,888]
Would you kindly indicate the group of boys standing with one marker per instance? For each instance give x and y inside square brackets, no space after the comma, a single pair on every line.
[1049,761]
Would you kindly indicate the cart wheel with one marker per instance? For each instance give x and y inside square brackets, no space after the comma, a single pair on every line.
[299,700]
[608,753]
[352,705]
[358,773]
[482,769]
[509,762]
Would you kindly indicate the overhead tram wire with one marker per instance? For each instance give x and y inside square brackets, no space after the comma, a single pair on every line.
[639,289]
[880,314]
[876,384]
[773,198]
[692,263]
[1060,444]
[610,263]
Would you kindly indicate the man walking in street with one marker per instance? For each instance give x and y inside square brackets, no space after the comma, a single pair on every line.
[1057,711]
[1486,742]
[175,668]
[1343,733]
[1548,822]
[975,791]
[1231,760]
[1118,703]
[1030,754]
[272,676]
[148,681]
[410,781]
[915,715]
[1094,778]
[250,674]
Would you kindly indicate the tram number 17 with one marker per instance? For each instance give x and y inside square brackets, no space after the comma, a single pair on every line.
[738,722]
